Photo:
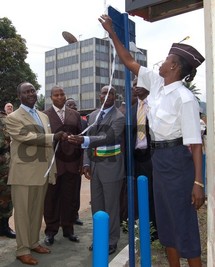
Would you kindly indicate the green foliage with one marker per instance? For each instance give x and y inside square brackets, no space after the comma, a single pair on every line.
[156,246]
[40,105]
[13,68]
[193,89]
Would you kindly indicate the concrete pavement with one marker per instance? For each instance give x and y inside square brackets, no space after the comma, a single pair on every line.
[64,253]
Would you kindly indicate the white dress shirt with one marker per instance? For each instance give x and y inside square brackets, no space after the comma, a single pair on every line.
[173,110]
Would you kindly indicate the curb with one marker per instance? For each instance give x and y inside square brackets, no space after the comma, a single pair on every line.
[121,259]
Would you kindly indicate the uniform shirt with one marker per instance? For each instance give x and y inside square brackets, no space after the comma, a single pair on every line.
[173,109]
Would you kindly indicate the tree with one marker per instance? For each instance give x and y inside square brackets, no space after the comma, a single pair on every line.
[40,105]
[13,68]
[193,89]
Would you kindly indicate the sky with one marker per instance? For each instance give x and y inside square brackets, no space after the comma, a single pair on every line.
[42,22]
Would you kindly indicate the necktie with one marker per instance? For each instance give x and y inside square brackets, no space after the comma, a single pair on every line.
[35,116]
[100,118]
[141,120]
[60,112]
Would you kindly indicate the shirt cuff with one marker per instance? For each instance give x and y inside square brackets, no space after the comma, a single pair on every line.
[86,142]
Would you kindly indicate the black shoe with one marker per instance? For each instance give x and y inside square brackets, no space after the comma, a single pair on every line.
[78,222]
[49,240]
[8,232]
[72,237]
[5,230]
[112,249]
[91,247]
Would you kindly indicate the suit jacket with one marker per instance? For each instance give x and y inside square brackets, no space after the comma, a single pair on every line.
[109,132]
[68,156]
[84,124]
[31,149]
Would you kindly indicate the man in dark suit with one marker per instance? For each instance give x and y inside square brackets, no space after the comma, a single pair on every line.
[104,161]
[142,153]
[60,201]
[70,103]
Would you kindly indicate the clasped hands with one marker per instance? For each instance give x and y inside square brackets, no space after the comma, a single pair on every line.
[73,139]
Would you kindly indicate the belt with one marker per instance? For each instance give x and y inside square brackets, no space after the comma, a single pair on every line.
[106,151]
[166,143]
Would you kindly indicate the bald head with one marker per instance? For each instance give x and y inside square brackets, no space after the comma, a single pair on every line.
[8,108]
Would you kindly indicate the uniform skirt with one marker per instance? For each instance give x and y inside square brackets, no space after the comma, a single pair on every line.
[173,179]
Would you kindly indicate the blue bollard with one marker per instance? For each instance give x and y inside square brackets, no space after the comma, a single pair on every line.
[144,225]
[100,239]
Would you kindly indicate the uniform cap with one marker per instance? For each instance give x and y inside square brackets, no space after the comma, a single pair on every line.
[193,57]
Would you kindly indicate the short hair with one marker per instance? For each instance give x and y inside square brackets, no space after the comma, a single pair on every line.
[56,87]
[107,87]
[70,98]
[18,89]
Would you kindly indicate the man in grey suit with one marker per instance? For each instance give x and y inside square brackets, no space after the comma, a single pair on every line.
[31,152]
[104,161]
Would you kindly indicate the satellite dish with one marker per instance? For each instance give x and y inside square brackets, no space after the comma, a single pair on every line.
[69,37]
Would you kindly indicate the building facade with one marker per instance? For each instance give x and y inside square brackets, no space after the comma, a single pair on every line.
[83,68]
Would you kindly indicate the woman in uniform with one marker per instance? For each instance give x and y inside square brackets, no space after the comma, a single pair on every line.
[174,127]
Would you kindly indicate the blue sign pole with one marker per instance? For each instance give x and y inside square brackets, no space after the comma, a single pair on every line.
[129,151]
[125,30]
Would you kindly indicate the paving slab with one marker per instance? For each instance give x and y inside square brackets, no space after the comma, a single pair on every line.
[64,253]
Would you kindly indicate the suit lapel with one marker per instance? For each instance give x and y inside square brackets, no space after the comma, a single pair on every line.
[26,116]
[67,114]
[54,118]
[44,121]
[107,118]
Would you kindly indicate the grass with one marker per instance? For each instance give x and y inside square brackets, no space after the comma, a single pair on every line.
[158,255]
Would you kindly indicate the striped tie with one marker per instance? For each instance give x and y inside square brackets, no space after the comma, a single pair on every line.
[141,120]
[60,112]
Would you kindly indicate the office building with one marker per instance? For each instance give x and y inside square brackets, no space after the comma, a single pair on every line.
[82,68]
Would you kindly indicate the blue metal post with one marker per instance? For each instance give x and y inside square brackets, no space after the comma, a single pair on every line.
[144,225]
[100,239]
[129,151]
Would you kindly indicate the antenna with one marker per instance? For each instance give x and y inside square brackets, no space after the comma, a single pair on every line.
[69,37]
[185,38]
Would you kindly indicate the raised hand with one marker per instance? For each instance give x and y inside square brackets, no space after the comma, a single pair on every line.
[106,22]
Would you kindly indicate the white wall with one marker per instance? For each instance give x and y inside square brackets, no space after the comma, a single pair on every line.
[209,15]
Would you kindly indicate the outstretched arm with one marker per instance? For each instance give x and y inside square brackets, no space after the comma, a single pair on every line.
[122,52]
